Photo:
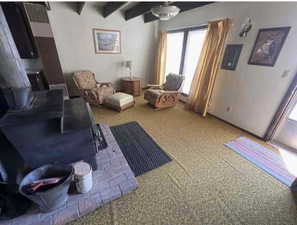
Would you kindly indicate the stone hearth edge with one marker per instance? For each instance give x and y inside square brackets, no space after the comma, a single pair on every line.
[111,180]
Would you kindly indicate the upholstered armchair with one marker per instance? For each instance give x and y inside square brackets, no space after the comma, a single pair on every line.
[166,95]
[92,91]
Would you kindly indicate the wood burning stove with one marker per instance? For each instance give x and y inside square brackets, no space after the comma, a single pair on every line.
[52,130]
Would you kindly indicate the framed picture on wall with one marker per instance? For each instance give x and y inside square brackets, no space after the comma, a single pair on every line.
[107,41]
[231,56]
[268,45]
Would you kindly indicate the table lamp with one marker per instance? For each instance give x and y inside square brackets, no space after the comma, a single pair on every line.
[128,65]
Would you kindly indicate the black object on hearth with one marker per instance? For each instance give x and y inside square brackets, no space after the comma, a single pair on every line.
[3,103]
[52,131]
[52,197]
[17,99]
[12,204]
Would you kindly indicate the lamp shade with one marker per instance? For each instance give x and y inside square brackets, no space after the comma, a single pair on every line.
[128,64]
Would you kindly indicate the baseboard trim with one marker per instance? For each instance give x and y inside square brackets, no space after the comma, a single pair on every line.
[255,135]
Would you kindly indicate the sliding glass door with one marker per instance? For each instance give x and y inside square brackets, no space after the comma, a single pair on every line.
[183,51]
[174,52]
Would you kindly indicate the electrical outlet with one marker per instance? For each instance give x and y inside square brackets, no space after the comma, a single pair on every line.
[285,73]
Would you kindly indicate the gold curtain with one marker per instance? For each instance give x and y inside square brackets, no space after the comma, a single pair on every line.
[161,59]
[208,66]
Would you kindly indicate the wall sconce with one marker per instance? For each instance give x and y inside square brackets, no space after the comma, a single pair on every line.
[245,27]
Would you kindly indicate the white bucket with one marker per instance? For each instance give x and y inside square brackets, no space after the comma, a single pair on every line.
[83,177]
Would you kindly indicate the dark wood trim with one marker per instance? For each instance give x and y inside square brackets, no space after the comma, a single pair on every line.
[261,138]
[281,111]
[47,5]
[185,6]
[79,7]
[50,60]
[149,17]
[182,61]
[140,8]
[200,27]
[111,7]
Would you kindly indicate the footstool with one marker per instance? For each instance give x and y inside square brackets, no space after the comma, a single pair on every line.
[119,101]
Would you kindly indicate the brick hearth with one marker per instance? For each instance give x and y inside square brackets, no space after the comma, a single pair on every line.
[113,179]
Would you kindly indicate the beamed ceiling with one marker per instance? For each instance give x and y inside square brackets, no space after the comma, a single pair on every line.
[131,10]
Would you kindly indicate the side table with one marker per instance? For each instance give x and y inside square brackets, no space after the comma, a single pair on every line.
[131,86]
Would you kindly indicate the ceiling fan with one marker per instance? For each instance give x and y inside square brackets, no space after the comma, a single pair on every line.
[165,11]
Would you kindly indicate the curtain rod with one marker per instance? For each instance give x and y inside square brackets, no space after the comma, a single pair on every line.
[196,26]
[201,26]
[188,27]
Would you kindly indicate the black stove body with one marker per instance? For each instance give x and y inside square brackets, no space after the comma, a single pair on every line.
[48,130]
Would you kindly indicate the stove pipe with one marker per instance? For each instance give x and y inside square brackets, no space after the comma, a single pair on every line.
[15,88]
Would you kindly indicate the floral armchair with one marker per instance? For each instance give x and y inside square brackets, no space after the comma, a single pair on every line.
[166,95]
[92,91]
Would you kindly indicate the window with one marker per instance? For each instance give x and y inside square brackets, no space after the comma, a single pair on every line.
[183,51]
[174,52]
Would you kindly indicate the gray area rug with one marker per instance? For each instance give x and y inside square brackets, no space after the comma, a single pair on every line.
[140,150]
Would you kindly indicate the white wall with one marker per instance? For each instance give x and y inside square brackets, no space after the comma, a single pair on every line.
[74,39]
[253,92]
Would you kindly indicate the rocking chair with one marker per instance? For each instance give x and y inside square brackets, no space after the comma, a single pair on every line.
[92,91]
[166,95]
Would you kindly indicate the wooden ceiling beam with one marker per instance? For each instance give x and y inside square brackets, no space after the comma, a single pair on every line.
[79,7]
[184,6]
[111,7]
[140,8]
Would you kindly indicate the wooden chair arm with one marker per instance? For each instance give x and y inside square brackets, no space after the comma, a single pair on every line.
[155,86]
[85,92]
[170,92]
[102,84]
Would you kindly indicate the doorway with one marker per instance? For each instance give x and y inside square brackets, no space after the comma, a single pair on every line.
[183,51]
[282,132]
[286,133]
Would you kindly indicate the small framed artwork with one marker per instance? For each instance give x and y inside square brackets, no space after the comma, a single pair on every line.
[268,45]
[231,57]
[107,41]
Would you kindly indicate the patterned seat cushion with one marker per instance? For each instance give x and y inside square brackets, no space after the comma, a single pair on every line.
[173,82]
[119,99]
[85,79]
[155,92]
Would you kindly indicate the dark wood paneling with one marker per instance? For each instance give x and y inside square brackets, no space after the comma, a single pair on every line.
[80,6]
[111,7]
[36,12]
[50,60]
[148,17]
[20,30]
[140,9]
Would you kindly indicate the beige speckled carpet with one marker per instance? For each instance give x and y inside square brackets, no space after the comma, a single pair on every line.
[206,183]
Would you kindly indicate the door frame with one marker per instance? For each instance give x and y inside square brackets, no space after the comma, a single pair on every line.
[282,110]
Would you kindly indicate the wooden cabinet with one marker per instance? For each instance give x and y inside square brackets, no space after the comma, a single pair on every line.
[20,29]
[45,42]
[131,86]
[50,60]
